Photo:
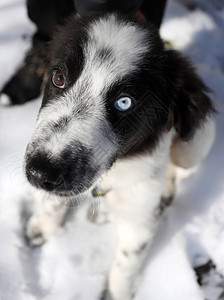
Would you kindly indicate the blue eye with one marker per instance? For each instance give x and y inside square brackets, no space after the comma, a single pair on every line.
[123,103]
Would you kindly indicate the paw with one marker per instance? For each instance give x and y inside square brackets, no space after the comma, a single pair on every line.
[39,229]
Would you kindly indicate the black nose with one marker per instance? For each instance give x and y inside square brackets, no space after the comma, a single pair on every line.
[45,173]
[71,172]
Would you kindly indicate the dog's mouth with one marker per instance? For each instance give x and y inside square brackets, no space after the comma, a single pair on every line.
[71,193]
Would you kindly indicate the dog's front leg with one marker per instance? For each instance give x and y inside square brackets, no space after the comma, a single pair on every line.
[135,187]
[135,210]
[47,218]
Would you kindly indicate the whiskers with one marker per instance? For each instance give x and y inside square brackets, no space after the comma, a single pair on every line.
[95,208]
[12,169]
[53,202]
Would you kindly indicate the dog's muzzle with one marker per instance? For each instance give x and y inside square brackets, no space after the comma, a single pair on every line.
[64,176]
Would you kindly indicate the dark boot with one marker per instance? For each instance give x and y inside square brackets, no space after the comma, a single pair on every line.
[25,85]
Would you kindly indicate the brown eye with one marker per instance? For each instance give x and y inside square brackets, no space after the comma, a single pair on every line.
[58,79]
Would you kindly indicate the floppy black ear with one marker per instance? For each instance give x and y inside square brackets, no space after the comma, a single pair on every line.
[190,105]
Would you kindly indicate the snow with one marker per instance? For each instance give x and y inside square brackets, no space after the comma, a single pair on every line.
[74,263]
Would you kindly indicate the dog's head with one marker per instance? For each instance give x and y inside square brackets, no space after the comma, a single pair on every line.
[112,89]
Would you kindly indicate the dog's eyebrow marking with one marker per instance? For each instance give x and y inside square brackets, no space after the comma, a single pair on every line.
[105,53]
[61,123]
[118,36]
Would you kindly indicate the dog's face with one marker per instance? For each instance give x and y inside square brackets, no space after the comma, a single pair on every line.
[108,93]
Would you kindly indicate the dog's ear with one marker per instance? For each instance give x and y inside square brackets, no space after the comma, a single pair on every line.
[190,106]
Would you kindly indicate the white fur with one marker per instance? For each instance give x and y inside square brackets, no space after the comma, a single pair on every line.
[188,154]
[105,34]
[134,198]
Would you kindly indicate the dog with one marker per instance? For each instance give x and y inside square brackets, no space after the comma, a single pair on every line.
[120,110]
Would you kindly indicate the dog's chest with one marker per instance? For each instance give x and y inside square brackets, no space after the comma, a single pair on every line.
[138,169]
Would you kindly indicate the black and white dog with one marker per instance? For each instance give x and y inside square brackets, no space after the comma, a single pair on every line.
[119,111]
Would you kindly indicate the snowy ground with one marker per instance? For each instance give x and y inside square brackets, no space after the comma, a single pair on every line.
[73,264]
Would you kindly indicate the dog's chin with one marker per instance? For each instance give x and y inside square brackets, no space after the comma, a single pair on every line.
[71,192]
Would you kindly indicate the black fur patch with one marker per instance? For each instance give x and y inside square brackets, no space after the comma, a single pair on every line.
[190,104]
[66,54]
[209,278]
[166,92]
[69,174]
[104,53]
